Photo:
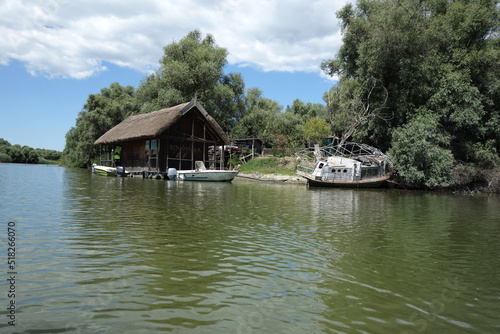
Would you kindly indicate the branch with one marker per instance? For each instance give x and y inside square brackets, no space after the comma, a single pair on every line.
[362,112]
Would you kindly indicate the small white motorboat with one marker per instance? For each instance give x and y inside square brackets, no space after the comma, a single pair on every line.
[109,171]
[203,174]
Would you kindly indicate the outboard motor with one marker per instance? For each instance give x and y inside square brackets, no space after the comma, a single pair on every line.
[172,173]
[120,171]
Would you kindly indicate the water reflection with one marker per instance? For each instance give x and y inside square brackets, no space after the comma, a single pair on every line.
[133,255]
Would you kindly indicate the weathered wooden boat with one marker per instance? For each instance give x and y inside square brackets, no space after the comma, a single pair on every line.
[203,174]
[349,165]
[109,171]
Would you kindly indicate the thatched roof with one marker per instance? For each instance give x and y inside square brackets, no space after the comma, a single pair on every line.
[151,125]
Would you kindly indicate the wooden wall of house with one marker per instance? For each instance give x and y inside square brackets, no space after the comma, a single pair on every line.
[134,154]
[182,153]
[182,150]
[177,148]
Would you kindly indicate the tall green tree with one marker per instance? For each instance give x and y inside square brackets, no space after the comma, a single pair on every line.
[100,113]
[259,118]
[441,56]
[194,67]
[307,110]
[316,129]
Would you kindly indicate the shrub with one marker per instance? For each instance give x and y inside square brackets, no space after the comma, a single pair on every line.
[418,148]
[4,157]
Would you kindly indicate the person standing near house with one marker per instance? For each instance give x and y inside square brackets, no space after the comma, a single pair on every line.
[117,158]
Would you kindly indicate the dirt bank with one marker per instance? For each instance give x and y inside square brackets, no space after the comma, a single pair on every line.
[271,178]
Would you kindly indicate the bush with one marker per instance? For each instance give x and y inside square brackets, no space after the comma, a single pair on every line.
[472,178]
[419,153]
[4,157]
[235,160]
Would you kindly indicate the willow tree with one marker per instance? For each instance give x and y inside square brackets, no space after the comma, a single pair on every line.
[194,67]
[431,59]
[100,113]
[350,106]
[259,119]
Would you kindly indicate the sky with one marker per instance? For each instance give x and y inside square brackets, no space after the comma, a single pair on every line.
[54,53]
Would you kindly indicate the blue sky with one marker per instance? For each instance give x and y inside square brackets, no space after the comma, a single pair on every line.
[55,53]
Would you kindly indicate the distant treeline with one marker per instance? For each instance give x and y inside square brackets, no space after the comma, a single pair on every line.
[25,154]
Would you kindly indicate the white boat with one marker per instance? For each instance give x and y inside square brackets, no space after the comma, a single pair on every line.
[109,171]
[203,174]
[350,165]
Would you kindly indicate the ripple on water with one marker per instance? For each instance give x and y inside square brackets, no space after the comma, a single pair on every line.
[130,255]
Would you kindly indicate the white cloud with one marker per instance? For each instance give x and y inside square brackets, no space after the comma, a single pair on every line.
[62,38]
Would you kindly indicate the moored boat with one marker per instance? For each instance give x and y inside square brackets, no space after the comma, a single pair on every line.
[203,174]
[109,171]
[350,165]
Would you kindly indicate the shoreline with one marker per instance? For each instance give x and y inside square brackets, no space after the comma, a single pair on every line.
[298,180]
[277,178]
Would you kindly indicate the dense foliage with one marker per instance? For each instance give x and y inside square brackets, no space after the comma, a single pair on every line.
[25,154]
[279,129]
[100,113]
[316,129]
[427,74]
[192,67]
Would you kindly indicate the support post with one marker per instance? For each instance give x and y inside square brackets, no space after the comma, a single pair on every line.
[253,147]
[192,143]
[222,156]
[204,142]
[157,155]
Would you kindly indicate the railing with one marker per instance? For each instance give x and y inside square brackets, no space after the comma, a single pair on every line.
[305,169]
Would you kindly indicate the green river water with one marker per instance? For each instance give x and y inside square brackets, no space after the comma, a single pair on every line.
[127,255]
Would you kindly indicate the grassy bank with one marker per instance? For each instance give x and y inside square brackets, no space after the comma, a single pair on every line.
[272,165]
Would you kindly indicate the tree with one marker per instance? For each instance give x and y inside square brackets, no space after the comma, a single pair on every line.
[99,114]
[259,118]
[350,106]
[193,67]
[420,152]
[306,110]
[52,155]
[316,129]
[16,153]
[288,128]
[31,155]
[4,151]
[434,55]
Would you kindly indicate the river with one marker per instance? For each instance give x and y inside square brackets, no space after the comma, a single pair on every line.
[126,255]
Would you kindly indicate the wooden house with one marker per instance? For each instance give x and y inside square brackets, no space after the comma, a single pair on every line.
[253,145]
[174,137]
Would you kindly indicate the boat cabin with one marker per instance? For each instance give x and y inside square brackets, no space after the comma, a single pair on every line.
[347,165]
[347,169]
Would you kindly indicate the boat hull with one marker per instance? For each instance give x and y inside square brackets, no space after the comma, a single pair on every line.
[207,175]
[366,183]
[107,171]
